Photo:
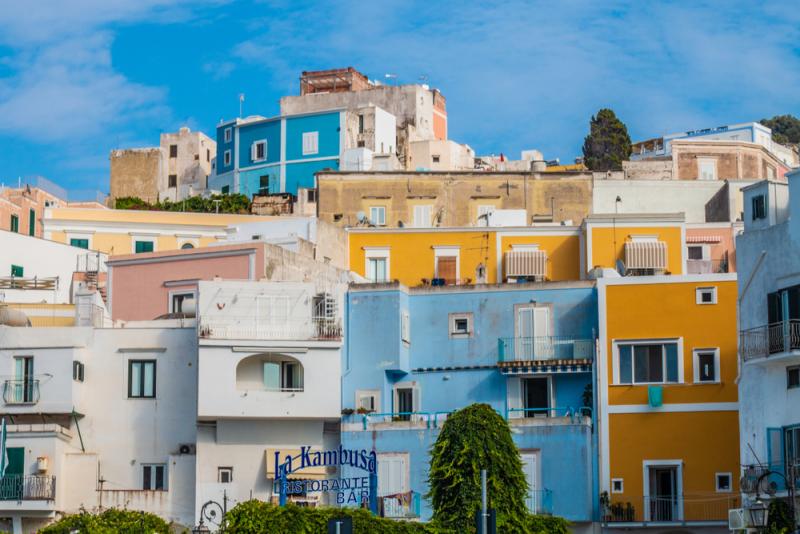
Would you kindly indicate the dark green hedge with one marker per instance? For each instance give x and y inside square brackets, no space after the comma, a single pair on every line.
[110,521]
[227,204]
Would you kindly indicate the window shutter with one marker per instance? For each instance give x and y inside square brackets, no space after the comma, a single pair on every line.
[625,364]
[672,362]
[514,396]
[775,454]
[415,400]
[253,152]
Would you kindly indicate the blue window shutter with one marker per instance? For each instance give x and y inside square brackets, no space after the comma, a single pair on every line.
[672,362]
[625,367]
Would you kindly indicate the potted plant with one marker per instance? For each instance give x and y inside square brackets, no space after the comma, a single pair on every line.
[347,411]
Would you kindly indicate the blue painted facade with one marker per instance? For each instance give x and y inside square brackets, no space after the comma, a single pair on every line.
[285,168]
[449,372]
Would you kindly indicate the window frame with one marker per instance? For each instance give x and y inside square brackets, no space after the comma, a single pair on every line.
[224,469]
[730,482]
[172,181]
[81,240]
[621,482]
[14,225]
[31,222]
[428,208]
[405,327]
[696,365]
[142,239]
[416,399]
[227,160]
[705,251]
[142,362]
[17,271]
[701,162]
[375,253]
[452,318]
[375,394]
[310,145]
[179,293]
[173,151]
[792,369]
[698,295]
[380,209]
[758,206]
[164,479]
[616,343]
[78,371]
[254,151]
[447,252]
[227,134]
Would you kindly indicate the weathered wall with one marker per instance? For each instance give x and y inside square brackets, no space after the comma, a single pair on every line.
[735,160]
[455,197]
[191,166]
[136,173]
[649,169]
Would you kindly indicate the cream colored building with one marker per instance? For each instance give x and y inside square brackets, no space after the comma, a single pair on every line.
[440,155]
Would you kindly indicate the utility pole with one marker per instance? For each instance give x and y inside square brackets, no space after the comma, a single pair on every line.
[484,507]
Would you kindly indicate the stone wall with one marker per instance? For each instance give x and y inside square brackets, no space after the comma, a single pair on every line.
[136,173]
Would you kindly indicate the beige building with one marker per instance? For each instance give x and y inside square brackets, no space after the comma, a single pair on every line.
[450,199]
[178,168]
[440,155]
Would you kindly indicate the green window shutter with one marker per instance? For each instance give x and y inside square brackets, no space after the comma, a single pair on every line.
[17,270]
[144,246]
[14,223]
[80,243]
[672,362]
[226,189]
[32,222]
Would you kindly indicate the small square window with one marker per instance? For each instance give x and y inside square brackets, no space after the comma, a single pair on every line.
[706,295]
[706,363]
[228,135]
[143,246]
[173,151]
[435,159]
[226,158]
[759,207]
[311,195]
[695,252]
[617,485]
[310,143]
[224,475]
[367,401]
[460,324]
[724,482]
[173,180]
[793,377]
[377,215]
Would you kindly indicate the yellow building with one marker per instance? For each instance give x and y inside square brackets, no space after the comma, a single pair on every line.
[458,256]
[668,408]
[132,231]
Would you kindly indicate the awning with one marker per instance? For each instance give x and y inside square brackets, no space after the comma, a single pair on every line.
[703,239]
[526,263]
[646,255]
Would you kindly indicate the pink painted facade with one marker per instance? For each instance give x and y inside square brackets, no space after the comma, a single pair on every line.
[27,206]
[142,286]
[718,245]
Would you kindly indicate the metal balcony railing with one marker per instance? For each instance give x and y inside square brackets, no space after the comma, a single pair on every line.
[400,505]
[761,341]
[670,509]
[773,481]
[25,391]
[434,419]
[27,488]
[540,502]
[511,349]
[250,327]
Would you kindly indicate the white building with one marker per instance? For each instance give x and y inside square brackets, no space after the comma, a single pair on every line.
[269,380]
[98,418]
[768,262]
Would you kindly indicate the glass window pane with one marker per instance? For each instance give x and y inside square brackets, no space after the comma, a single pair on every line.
[672,361]
[272,375]
[149,388]
[159,477]
[146,477]
[625,368]
[641,363]
[655,357]
[135,379]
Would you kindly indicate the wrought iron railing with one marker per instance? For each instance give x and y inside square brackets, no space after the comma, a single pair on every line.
[251,327]
[777,477]
[400,505]
[27,488]
[761,341]
[434,419]
[544,348]
[539,501]
[25,391]
[670,509]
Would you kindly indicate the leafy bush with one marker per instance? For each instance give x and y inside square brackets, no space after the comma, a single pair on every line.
[110,521]
[227,204]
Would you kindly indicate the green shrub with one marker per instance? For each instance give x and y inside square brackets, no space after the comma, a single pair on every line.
[227,204]
[110,521]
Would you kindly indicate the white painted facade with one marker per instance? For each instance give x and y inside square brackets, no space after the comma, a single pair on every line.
[768,261]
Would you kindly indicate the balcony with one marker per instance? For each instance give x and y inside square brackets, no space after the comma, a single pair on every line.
[21,392]
[766,340]
[540,502]
[27,488]
[267,328]
[29,283]
[526,355]
[400,506]
[677,510]
[707,266]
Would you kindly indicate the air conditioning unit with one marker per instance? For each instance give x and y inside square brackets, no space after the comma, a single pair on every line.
[738,519]
[187,448]
[41,464]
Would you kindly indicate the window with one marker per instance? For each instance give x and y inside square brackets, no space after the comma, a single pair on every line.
[617,485]
[311,195]
[17,270]
[310,143]
[208,155]
[647,363]
[706,295]
[14,223]
[361,124]
[377,215]
[405,327]
[25,389]
[31,222]
[79,242]
[141,379]
[435,158]
[460,324]
[793,377]
[770,172]
[376,264]
[154,477]
[228,135]
[361,143]
[77,371]
[187,245]
[706,169]
[143,246]
[706,365]
[258,150]
[226,189]
[173,180]
[179,300]
[173,151]
[422,216]
[723,482]
[283,376]
[224,475]
[759,207]
[696,252]
[367,401]
[263,185]
[446,266]
[406,401]
[226,158]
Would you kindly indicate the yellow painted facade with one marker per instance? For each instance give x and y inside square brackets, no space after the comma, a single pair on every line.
[608,244]
[697,425]
[45,314]
[412,252]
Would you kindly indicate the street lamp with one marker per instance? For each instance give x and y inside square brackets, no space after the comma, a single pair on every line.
[209,511]
[758,514]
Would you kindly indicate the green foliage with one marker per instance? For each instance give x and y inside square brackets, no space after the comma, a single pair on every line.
[544,524]
[257,517]
[110,521]
[198,204]
[472,439]
[785,128]
[608,143]
[779,518]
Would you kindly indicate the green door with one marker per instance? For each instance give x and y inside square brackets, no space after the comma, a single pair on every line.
[11,483]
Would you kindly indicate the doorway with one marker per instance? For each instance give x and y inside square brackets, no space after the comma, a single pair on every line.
[663,485]
[536,394]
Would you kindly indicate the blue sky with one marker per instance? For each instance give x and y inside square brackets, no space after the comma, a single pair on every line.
[80,77]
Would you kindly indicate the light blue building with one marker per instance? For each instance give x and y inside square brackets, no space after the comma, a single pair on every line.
[414,355]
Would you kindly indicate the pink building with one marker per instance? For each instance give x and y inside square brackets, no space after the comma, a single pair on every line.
[711,247]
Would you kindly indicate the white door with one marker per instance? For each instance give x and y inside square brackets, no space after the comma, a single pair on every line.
[533,334]
[523,349]
[392,474]
[530,466]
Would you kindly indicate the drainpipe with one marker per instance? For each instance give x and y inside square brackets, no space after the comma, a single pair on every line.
[78,427]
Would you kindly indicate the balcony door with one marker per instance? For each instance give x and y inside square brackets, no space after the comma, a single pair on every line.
[533,341]
[531,468]
[536,395]
[23,379]
[663,501]
[11,484]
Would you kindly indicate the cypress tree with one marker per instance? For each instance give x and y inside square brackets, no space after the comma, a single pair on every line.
[608,143]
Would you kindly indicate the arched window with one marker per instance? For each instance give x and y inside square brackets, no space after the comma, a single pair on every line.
[269,372]
[187,245]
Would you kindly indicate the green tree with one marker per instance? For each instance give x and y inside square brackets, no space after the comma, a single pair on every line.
[110,521]
[472,439]
[608,143]
[785,129]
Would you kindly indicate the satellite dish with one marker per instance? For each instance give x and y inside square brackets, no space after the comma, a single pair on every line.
[621,268]
[360,216]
